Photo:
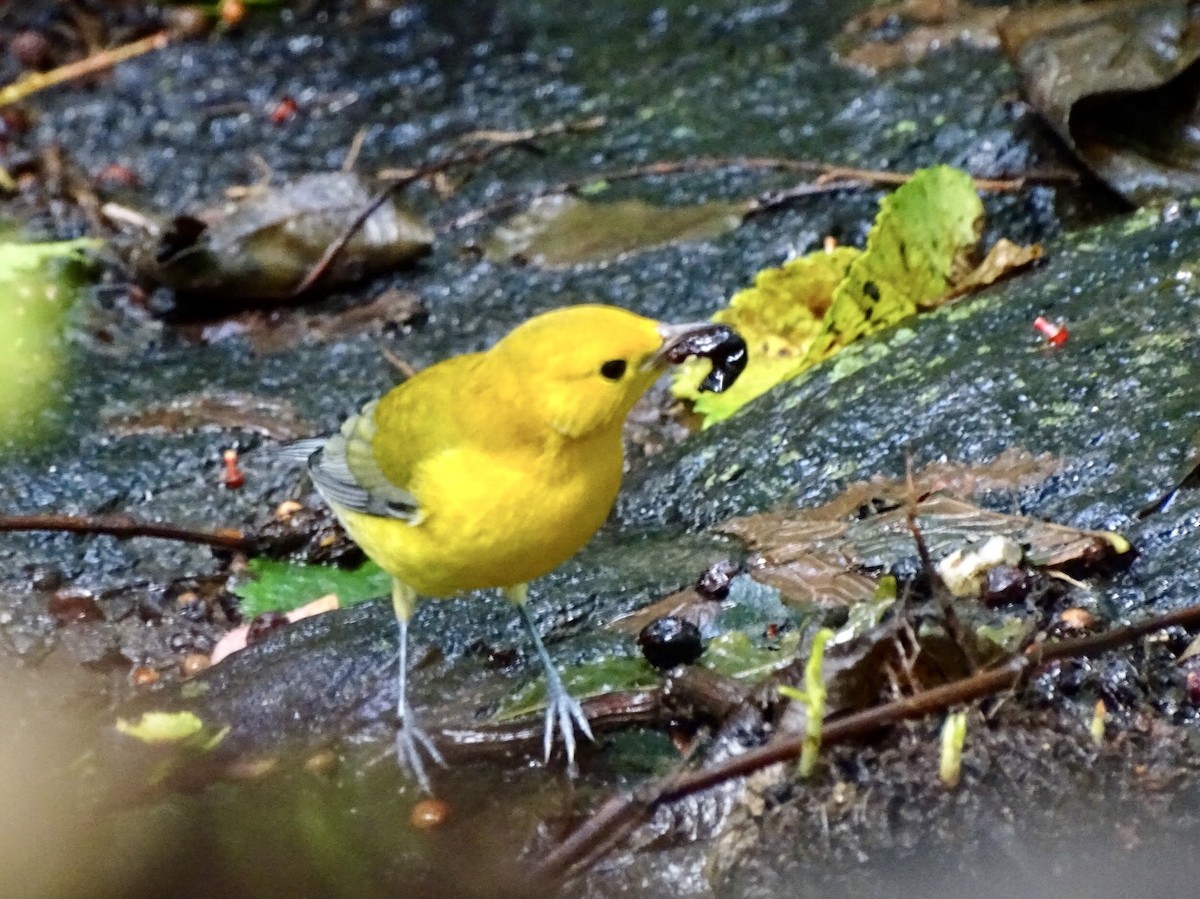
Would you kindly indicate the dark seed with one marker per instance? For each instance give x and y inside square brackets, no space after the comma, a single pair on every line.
[1005,585]
[73,604]
[670,641]
[45,577]
[31,49]
[723,346]
[714,583]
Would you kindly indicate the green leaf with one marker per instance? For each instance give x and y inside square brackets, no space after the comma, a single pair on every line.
[734,654]
[283,586]
[919,246]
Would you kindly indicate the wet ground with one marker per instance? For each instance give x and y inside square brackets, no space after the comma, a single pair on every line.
[672,81]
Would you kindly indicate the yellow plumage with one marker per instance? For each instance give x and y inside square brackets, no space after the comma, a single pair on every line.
[491,469]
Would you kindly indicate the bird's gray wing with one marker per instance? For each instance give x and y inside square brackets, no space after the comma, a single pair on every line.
[346,473]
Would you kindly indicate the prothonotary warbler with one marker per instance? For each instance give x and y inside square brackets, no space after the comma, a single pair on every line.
[490,469]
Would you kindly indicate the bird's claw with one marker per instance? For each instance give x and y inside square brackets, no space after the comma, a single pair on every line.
[565,715]
[411,741]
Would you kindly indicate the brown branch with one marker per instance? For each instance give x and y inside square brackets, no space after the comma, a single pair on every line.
[126,526]
[607,712]
[618,817]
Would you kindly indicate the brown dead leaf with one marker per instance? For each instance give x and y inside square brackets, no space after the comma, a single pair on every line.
[262,246]
[812,557]
[1119,82]
[1003,259]
[686,604]
[937,24]
[279,330]
[1013,469]
[277,419]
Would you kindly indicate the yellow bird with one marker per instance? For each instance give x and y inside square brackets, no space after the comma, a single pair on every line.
[490,469]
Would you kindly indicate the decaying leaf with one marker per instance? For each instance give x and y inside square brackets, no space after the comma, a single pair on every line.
[277,419]
[263,246]
[1119,82]
[919,254]
[1188,479]
[282,329]
[811,557]
[1004,258]
[1013,469]
[237,639]
[935,24]
[686,604]
[562,230]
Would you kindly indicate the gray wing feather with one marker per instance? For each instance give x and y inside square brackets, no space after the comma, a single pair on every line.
[346,473]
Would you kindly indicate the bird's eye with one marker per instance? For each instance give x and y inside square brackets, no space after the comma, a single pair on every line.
[613,369]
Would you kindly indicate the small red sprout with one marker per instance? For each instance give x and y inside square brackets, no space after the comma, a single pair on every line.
[232,476]
[1055,334]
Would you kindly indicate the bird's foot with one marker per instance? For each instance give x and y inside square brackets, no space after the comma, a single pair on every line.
[565,715]
[411,742]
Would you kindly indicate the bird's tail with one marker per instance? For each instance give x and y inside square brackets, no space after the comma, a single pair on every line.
[297,452]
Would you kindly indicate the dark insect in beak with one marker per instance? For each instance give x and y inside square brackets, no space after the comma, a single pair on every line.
[720,344]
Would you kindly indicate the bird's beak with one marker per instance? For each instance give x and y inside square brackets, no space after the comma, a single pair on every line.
[722,345]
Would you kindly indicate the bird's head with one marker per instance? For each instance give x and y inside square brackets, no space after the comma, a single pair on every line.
[584,367]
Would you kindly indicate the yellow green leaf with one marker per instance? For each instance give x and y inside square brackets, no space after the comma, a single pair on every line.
[184,729]
[917,256]
[162,727]
[918,248]
[778,317]
[36,296]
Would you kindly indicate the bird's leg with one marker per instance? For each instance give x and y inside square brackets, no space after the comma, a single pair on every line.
[563,712]
[410,739]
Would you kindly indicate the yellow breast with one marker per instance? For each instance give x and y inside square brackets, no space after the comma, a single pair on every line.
[490,519]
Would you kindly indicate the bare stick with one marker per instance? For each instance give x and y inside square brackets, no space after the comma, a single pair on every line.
[125,526]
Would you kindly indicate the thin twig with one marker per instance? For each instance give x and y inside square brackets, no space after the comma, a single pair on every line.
[356,145]
[125,526]
[937,587]
[625,813]
[830,178]
[39,81]
[401,178]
